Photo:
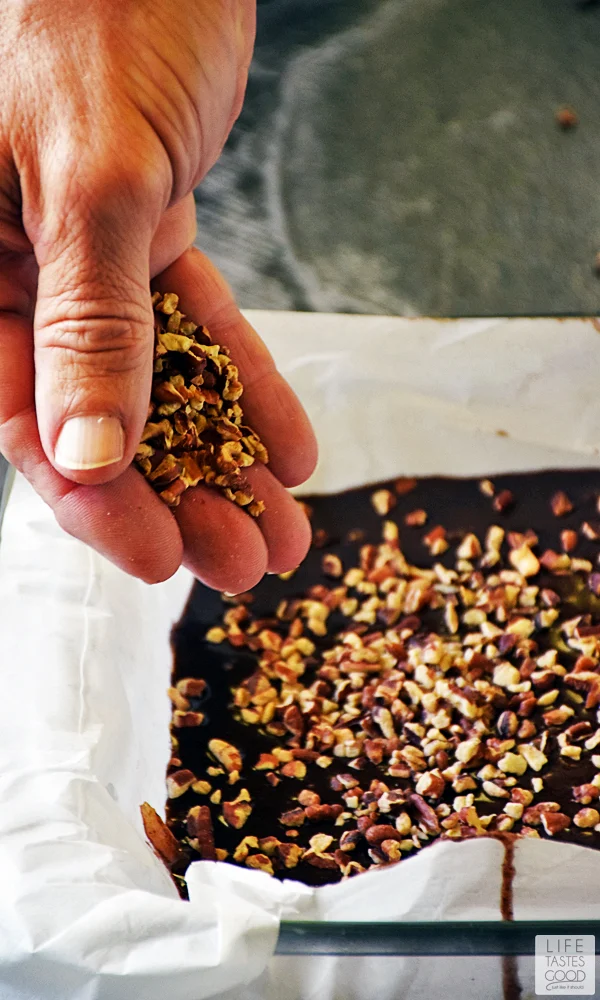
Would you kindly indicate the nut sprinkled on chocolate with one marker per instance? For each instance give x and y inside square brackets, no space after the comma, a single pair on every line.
[561,504]
[405,700]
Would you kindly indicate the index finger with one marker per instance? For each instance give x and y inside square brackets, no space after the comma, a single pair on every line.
[270,405]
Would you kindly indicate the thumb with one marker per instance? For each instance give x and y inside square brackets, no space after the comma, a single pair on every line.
[93,327]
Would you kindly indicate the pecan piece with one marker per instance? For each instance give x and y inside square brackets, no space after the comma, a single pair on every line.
[179,782]
[290,854]
[586,818]
[260,862]
[236,812]
[585,794]
[503,501]
[379,832]
[383,501]
[323,813]
[555,822]
[226,754]
[416,518]
[560,504]
[427,816]
[165,845]
[293,817]
[200,831]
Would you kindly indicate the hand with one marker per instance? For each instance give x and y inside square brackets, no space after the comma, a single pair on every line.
[112,112]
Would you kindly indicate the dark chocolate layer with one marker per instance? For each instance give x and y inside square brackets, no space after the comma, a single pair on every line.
[461,507]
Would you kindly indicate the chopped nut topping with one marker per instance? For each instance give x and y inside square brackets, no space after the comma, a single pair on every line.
[591,531]
[442,699]
[555,822]
[227,755]
[469,548]
[165,845]
[216,635]
[179,782]
[524,561]
[534,757]
[561,504]
[383,501]
[261,862]
[568,539]
[186,720]
[416,518]
[202,787]
[503,501]
[236,812]
[436,541]
[332,565]
[586,818]
[404,485]
[200,831]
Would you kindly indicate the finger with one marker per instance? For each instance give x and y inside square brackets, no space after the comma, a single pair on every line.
[176,233]
[284,524]
[124,520]
[223,546]
[269,404]
[93,327]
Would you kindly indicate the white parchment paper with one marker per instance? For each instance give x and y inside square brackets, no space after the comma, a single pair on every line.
[86,911]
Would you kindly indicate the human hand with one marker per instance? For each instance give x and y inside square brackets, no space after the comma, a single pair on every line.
[111,114]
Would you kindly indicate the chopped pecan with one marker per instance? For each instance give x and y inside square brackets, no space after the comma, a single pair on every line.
[178,783]
[320,860]
[585,793]
[237,811]
[187,720]
[290,854]
[586,818]
[404,485]
[192,687]
[416,518]
[226,754]
[260,862]
[560,504]
[381,831]
[165,845]
[426,814]
[323,813]
[383,501]
[200,831]
[294,817]
[332,565]
[503,501]
[555,822]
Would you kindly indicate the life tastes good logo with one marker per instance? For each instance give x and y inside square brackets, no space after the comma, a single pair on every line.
[565,965]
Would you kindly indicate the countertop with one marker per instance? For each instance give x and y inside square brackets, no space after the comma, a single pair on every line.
[402,156]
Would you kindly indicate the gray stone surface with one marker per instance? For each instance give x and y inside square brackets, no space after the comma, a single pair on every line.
[402,156]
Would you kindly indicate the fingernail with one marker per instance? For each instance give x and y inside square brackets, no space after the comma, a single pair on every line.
[90,443]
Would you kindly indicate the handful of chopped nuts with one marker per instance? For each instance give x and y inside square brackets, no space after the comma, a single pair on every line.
[194,431]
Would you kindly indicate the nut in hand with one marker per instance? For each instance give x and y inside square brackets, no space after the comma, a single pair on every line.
[194,430]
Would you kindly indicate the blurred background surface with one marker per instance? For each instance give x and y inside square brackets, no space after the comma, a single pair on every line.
[402,156]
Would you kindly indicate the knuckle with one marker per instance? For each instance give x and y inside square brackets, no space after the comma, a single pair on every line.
[117,158]
[112,343]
